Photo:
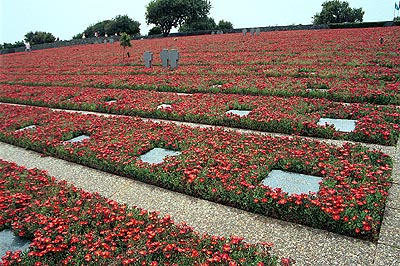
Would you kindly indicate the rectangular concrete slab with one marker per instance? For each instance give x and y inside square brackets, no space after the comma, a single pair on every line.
[293,183]
[161,106]
[77,139]
[343,125]
[26,128]
[11,242]
[241,113]
[157,155]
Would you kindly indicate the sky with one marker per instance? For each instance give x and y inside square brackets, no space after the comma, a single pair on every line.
[66,18]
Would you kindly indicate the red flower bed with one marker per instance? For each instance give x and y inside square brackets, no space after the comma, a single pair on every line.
[69,226]
[294,115]
[219,165]
[343,65]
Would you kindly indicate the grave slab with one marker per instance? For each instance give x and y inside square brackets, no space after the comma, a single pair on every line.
[161,106]
[26,128]
[157,155]
[11,242]
[343,125]
[77,139]
[241,113]
[293,183]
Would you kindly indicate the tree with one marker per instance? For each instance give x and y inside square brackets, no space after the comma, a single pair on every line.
[39,37]
[202,23]
[155,31]
[125,41]
[112,26]
[225,25]
[173,13]
[336,11]
[122,24]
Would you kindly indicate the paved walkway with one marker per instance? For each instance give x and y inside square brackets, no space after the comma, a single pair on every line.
[308,246]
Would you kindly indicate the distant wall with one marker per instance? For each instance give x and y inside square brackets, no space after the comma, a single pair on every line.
[205,32]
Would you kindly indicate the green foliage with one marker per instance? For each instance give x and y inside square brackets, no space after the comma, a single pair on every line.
[125,41]
[39,37]
[10,45]
[225,25]
[155,31]
[99,27]
[115,25]
[122,24]
[77,36]
[173,13]
[336,11]
[202,23]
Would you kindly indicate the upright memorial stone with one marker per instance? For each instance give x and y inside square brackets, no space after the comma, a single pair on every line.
[148,58]
[244,31]
[111,40]
[258,31]
[164,58]
[173,58]
[252,32]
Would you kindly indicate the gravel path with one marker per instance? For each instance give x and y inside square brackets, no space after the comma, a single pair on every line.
[308,246]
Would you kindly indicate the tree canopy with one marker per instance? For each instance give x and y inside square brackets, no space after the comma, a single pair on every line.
[336,11]
[173,13]
[39,37]
[116,25]
[205,23]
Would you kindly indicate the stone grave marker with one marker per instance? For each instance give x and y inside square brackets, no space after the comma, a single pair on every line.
[258,31]
[105,41]
[252,32]
[164,58]
[173,58]
[11,242]
[244,31]
[112,41]
[111,101]
[212,33]
[77,139]
[26,128]
[148,58]
[157,155]
[343,125]
[161,106]
[241,113]
[293,183]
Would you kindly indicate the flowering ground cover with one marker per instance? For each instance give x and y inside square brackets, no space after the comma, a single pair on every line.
[293,115]
[218,165]
[342,65]
[69,226]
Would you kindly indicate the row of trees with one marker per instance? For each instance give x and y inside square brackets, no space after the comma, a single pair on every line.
[186,15]
[116,25]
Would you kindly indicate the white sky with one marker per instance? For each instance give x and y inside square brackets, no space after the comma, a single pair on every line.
[65,18]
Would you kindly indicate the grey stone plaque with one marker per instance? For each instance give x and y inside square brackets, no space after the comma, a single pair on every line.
[164,58]
[11,242]
[244,31]
[77,139]
[252,32]
[173,58]
[258,31]
[293,183]
[238,112]
[164,105]
[157,155]
[343,125]
[148,58]
[26,128]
